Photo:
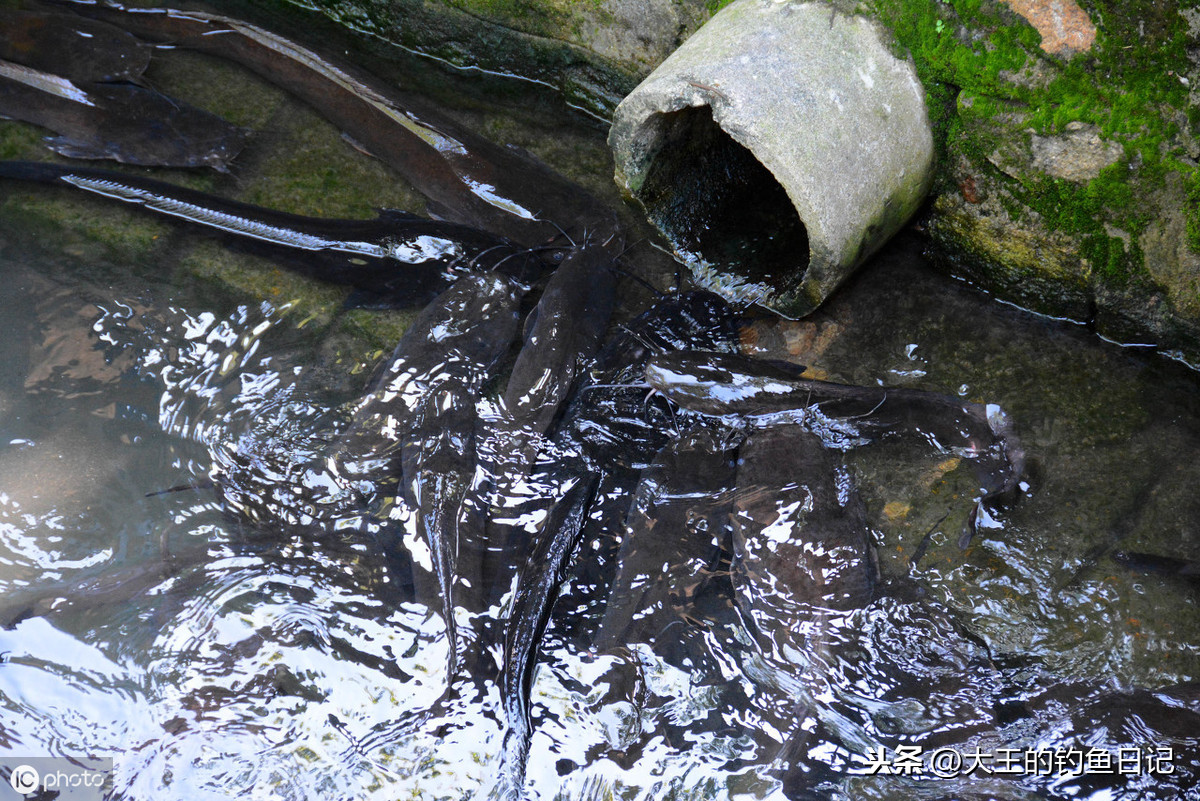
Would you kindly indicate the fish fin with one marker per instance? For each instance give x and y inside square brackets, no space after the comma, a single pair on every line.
[529,156]
[970,527]
[440,212]
[74,149]
[396,215]
[366,299]
[357,145]
[530,323]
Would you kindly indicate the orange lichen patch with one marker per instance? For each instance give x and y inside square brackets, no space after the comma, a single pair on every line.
[1066,28]
[932,476]
[896,510]
[750,336]
[801,340]
[970,192]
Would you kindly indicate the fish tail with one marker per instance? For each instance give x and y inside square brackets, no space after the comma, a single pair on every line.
[39,171]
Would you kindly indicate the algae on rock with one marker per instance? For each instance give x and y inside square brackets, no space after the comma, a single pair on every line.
[1064,169]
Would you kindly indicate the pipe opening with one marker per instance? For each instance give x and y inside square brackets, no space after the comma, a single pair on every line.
[721,208]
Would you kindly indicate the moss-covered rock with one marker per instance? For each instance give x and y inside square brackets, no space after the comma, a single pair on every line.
[1069,164]
[595,51]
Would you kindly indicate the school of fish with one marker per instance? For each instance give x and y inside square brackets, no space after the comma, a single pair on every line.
[713,480]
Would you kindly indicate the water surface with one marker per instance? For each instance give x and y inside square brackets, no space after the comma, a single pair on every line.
[213,657]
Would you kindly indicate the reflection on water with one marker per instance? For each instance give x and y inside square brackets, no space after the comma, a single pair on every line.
[185,583]
[214,657]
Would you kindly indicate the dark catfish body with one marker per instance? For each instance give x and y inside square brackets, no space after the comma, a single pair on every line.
[122,122]
[610,428]
[723,384]
[615,430]
[802,561]
[687,321]
[611,417]
[587,473]
[451,342]
[731,384]
[1161,726]
[800,539]
[468,179]
[871,667]
[396,258]
[438,465]
[417,424]
[455,342]
[1171,566]
[676,532]
[79,49]
[537,587]
[563,335]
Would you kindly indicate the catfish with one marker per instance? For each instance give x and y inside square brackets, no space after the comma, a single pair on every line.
[120,122]
[677,530]
[81,50]
[397,259]
[417,427]
[725,384]
[584,480]
[467,178]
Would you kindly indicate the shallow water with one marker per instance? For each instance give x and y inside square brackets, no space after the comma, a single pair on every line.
[216,658]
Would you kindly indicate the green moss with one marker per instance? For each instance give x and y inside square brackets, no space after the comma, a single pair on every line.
[20,141]
[1193,210]
[315,173]
[79,224]
[944,40]
[216,85]
[257,279]
[506,9]
[376,329]
[1105,254]
[982,48]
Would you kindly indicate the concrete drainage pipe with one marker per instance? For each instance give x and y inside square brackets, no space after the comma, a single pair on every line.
[777,149]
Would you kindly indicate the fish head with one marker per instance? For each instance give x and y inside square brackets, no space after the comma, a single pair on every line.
[225,148]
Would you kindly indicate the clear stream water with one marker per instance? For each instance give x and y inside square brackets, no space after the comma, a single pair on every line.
[214,659]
